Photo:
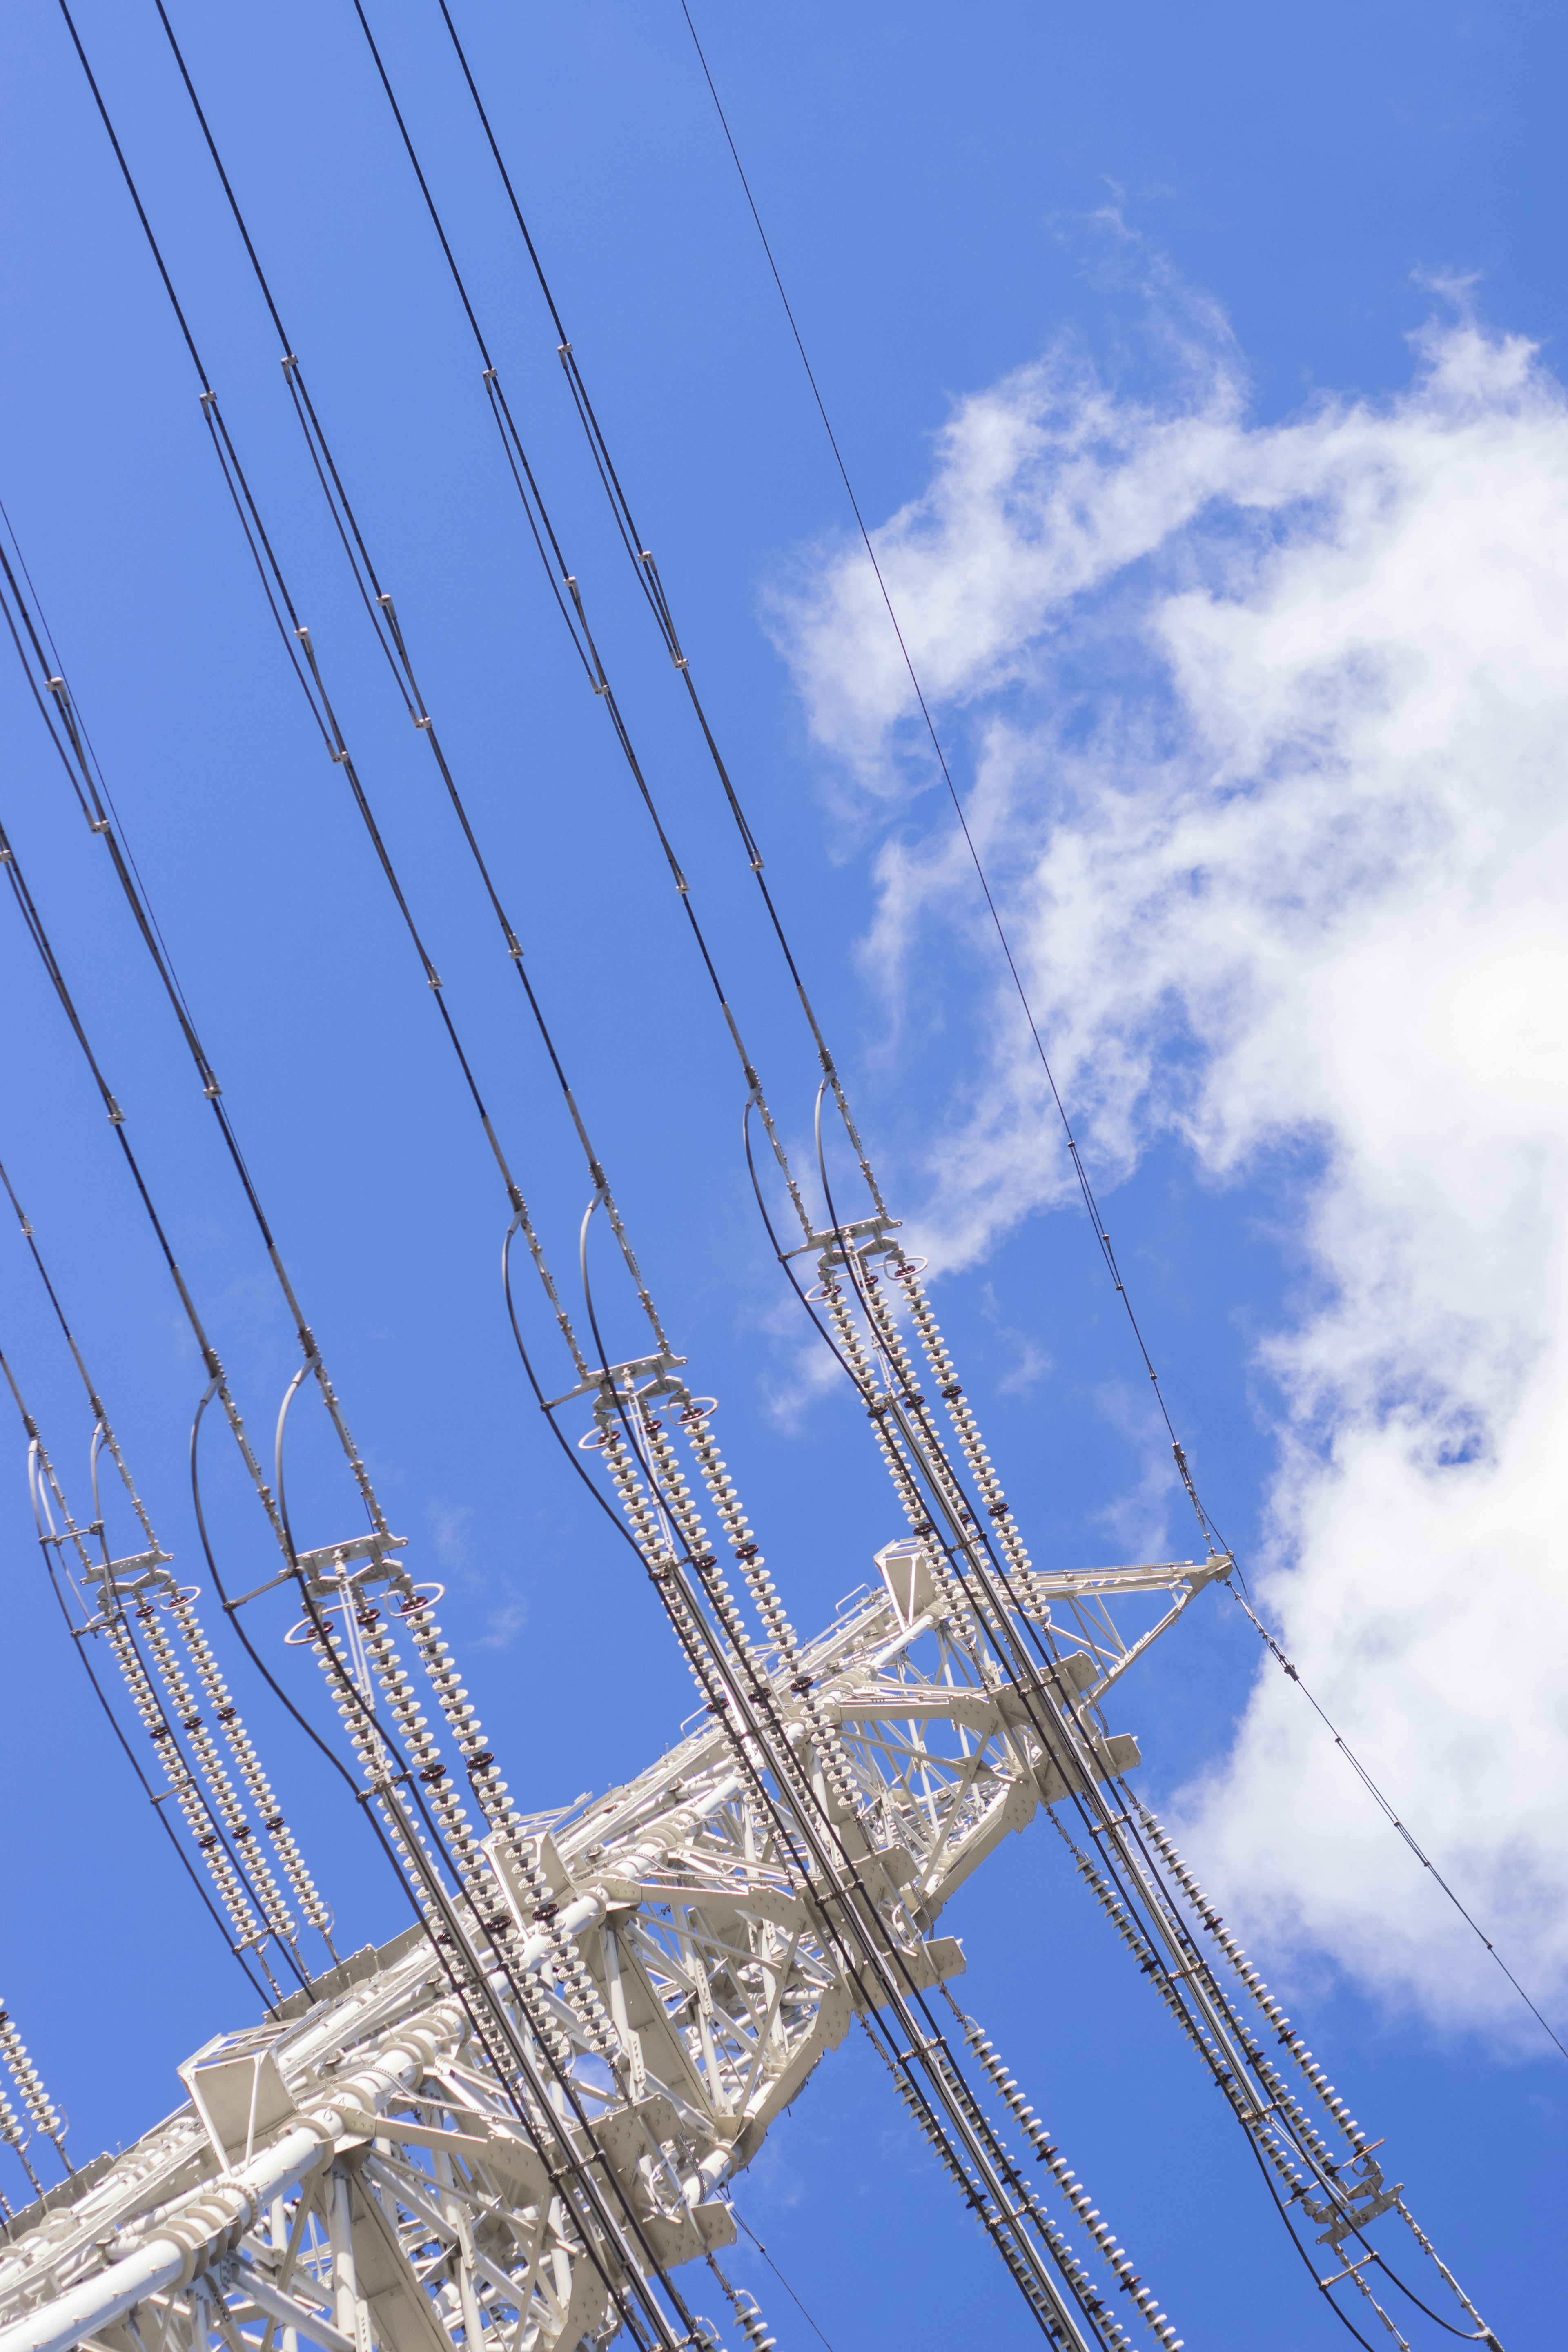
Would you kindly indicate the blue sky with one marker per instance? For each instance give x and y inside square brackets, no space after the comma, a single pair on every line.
[1212,241]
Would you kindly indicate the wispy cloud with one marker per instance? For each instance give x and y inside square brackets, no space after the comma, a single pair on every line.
[449,1534]
[1264,732]
[504,1625]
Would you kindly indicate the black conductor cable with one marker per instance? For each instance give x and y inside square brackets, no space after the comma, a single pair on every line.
[589,2189]
[173,299]
[642,557]
[1141,1902]
[632,539]
[229,448]
[647,574]
[646,571]
[19,887]
[349,1688]
[710,1678]
[378,603]
[633,542]
[992,2154]
[34,923]
[143,217]
[931,1435]
[446,1907]
[51,665]
[375,600]
[1154,1900]
[57,976]
[380,609]
[452,1942]
[446,248]
[782,2280]
[1102,1237]
[643,563]
[757,1703]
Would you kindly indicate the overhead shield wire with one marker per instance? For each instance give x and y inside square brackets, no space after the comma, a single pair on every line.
[236,478]
[262,549]
[922,1442]
[1080,1172]
[654,592]
[378,604]
[629,2284]
[327,471]
[674,868]
[415,1845]
[653,588]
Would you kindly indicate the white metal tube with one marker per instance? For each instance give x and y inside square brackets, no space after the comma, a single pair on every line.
[183,2249]
[188,2237]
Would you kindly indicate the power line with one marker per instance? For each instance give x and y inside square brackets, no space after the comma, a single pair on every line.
[1370,1785]
[647,574]
[1009,2208]
[319,444]
[1080,1171]
[781,2278]
[1086,1190]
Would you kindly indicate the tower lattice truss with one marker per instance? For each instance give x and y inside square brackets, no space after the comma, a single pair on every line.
[359,2171]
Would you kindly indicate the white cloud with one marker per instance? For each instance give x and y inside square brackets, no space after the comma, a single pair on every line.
[1264,732]
[504,1625]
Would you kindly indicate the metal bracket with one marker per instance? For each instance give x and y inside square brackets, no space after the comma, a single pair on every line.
[133,1574]
[316,1566]
[1359,2216]
[328,1557]
[832,1240]
[607,1380]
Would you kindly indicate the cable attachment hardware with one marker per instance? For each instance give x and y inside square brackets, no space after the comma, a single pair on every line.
[832,1246]
[642,1377]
